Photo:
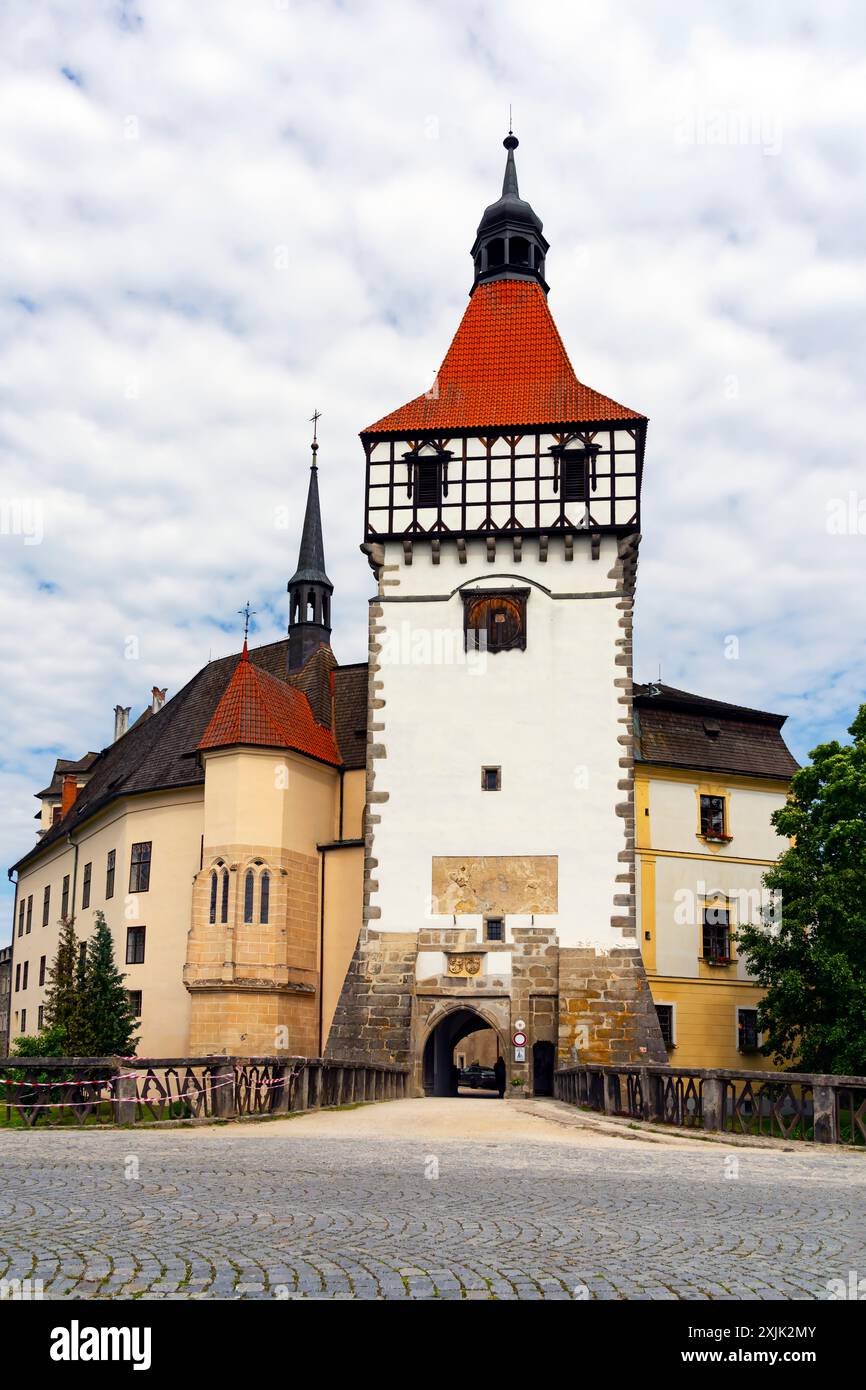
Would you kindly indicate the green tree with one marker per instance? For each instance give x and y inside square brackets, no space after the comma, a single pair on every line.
[107,1021]
[63,998]
[812,961]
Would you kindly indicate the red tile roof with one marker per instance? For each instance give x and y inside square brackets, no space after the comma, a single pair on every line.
[506,366]
[260,709]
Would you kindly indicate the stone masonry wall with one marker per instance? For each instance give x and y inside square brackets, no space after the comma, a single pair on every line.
[606,1011]
[373,1018]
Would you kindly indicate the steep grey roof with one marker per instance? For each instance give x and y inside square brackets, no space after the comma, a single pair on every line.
[510,206]
[160,752]
[311,556]
[678,729]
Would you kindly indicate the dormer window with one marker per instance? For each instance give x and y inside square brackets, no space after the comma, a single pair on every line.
[427,481]
[574,478]
[428,484]
[574,473]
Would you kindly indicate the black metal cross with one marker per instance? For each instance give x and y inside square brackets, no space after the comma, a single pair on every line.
[246,613]
[315,417]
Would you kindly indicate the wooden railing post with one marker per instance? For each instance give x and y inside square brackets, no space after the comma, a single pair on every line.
[300,1096]
[223,1083]
[610,1082]
[280,1088]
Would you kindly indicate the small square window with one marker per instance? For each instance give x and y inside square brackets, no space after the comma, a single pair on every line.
[491,779]
[494,929]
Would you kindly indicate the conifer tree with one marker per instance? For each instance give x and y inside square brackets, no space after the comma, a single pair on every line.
[107,1021]
[62,998]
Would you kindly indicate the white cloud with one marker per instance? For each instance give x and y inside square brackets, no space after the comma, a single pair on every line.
[701,184]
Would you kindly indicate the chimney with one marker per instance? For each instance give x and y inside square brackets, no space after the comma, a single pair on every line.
[69,793]
[158,699]
[121,720]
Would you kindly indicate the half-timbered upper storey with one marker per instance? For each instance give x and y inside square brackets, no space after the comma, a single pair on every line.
[507,440]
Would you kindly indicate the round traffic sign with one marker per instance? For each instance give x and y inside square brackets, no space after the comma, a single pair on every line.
[519,1039]
[520,1025]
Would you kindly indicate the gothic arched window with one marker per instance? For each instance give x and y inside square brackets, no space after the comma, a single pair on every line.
[249,885]
[264,896]
[224,905]
[213,895]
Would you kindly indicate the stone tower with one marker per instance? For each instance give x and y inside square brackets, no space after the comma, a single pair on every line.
[503,515]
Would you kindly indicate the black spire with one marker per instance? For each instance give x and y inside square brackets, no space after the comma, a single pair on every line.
[310,589]
[509,244]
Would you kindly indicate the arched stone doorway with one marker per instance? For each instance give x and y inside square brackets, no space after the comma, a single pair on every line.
[439,1073]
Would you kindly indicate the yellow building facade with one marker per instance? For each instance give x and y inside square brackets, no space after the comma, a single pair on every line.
[704,841]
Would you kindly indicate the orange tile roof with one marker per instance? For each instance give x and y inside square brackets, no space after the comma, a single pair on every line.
[506,366]
[260,709]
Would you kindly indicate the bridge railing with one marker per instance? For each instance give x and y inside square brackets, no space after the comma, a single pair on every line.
[56,1091]
[823,1109]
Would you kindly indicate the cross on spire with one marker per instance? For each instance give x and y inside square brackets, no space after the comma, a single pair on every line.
[315,418]
[246,613]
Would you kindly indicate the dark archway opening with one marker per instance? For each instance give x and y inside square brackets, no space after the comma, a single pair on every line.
[459,1056]
[542,1068]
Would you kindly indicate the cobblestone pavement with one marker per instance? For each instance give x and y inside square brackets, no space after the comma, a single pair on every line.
[384,1203]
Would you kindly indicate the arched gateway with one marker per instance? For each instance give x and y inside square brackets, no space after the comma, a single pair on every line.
[449,1028]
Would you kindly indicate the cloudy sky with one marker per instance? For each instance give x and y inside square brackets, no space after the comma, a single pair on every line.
[216,218]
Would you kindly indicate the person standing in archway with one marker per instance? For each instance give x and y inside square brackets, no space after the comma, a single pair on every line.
[499,1073]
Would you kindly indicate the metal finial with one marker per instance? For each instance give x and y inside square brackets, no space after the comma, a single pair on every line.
[315,417]
[246,613]
[510,123]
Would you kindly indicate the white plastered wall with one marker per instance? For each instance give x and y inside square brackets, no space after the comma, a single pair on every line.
[548,716]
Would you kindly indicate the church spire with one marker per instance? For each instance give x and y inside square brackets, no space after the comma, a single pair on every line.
[509,244]
[509,182]
[309,588]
